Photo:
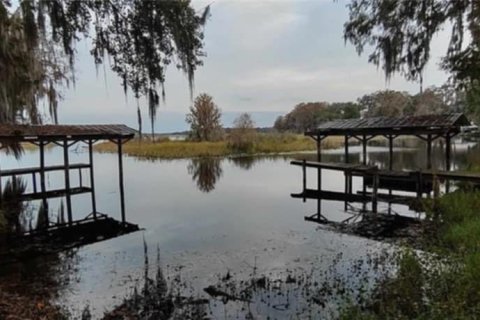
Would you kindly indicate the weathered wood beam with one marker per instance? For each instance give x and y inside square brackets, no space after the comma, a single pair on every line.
[120,180]
[43,187]
[429,151]
[92,178]
[346,150]
[364,146]
[68,198]
[390,152]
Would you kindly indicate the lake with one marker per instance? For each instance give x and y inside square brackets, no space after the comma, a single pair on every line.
[213,218]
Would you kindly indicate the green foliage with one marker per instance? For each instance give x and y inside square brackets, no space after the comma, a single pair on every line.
[401,32]
[431,287]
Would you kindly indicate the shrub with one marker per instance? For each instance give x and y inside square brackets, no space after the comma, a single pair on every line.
[242,136]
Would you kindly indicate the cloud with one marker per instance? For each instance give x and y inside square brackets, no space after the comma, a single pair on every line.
[261,56]
[253,26]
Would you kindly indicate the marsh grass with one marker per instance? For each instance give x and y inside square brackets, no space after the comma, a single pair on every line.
[263,144]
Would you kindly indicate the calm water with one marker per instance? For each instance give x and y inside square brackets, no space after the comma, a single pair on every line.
[208,218]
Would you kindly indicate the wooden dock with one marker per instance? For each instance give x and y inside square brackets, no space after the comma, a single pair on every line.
[362,170]
[419,183]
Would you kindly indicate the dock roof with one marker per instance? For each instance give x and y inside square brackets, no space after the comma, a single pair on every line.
[12,132]
[414,125]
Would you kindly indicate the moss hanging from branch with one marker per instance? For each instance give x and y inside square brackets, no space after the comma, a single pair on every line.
[141,38]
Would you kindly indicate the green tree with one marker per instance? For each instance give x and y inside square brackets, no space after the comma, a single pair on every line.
[140,39]
[401,32]
[204,119]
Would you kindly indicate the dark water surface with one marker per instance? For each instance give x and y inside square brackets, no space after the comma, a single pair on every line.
[210,218]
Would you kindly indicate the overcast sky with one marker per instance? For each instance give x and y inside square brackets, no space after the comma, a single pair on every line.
[263,57]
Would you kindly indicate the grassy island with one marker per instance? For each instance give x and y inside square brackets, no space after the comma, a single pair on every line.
[263,143]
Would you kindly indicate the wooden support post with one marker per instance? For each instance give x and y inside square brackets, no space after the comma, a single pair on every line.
[319,175]
[350,183]
[419,184]
[346,150]
[429,151]
[92,180]
[43,187]
[389,201]
[364,189]
[347,187]
[120,180]
[319,159]
[448,150]
[319,149]
[66,163]
[375,190]
[364,145]
[34,182]
[390,152]
[304,171]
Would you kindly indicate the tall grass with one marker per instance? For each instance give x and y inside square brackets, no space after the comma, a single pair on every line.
[262,144]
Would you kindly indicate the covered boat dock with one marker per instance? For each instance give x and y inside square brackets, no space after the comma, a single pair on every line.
[428,128]
[65,137]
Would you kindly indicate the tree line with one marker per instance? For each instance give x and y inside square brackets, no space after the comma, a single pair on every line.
[384,103]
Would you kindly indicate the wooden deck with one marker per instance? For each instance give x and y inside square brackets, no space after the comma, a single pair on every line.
[417,182]
[362,170]
[54,193]
[33,170]
[330,195]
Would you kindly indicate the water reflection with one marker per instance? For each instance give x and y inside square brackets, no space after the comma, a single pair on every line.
[13,209]
[205,172]
[245,163]
[249,223]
